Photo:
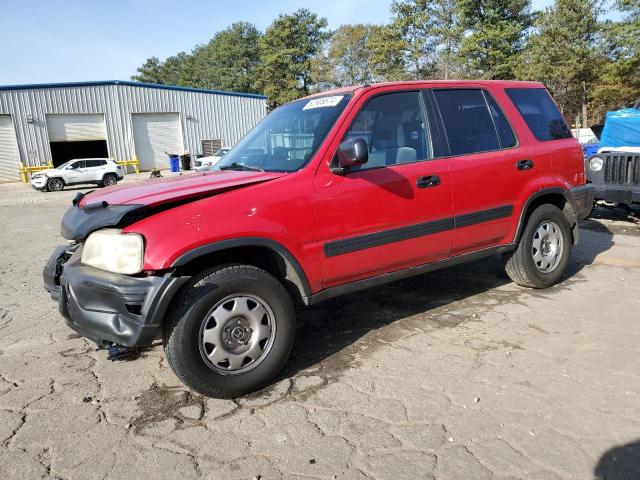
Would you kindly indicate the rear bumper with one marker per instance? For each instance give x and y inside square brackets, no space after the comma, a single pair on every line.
[108,307]
[583,197]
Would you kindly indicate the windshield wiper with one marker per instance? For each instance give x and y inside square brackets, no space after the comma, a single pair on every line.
[241,166]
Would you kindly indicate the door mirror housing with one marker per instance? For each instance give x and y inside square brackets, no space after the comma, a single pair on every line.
[351,153]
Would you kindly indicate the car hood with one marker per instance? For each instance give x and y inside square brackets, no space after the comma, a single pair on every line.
[46,173]
[124,204]
[176,188]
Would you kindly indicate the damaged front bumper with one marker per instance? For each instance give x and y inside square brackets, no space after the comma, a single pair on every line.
[108,307]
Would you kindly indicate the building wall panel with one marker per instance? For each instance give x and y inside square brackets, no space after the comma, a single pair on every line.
[203,115]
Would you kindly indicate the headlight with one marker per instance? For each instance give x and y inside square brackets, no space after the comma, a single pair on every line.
[595,164]
[114,251]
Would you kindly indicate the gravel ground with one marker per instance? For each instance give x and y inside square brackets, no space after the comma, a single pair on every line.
[456,374]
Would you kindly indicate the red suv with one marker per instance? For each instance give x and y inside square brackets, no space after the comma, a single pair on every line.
[329,194]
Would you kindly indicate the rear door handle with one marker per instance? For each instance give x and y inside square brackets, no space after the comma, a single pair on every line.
[428,182]
[524,164]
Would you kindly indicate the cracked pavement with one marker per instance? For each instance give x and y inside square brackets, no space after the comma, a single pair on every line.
[455,374]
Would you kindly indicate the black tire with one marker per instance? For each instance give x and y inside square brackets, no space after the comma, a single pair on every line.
[109,179]
[183,329]
[55,184]
[521,266]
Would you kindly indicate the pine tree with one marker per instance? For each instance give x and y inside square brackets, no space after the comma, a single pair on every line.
[495,35]
[561,52]
[618,82]
[286,51]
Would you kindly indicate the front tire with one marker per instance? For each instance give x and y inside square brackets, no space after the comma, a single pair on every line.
[231,331]
[544,249]
[55,184]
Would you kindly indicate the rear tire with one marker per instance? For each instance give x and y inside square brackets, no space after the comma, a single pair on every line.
[217,344]
[55,184]
[109,179]
[544,249]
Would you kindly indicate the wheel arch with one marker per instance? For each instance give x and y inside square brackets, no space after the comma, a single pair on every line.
[260,252]
[57,177]
[561,198]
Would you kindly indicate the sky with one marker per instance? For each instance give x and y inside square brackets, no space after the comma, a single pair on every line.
[73,40]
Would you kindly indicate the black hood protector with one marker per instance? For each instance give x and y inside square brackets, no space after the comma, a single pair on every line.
[78,223]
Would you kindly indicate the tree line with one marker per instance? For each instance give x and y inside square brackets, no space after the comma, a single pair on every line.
[590,64]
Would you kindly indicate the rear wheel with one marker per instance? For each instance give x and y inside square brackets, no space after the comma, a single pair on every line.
[544,249]
[55,184]
[231,331]
[109,179]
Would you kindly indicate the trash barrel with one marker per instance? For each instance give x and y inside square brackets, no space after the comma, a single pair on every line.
[185,161]
[174,163]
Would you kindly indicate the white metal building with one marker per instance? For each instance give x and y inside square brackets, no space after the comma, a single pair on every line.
[52,123]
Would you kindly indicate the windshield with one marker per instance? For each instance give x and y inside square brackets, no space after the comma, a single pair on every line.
[287,138]
[65,164]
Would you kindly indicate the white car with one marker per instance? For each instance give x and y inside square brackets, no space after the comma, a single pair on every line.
[205,163]
[99,171]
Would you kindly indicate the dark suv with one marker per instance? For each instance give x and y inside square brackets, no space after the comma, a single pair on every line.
[329,194]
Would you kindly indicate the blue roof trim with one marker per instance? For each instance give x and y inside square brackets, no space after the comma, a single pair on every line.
[128,84]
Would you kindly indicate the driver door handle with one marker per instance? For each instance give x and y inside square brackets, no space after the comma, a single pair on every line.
[428,182]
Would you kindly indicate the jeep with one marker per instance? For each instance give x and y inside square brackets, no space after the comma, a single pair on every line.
[329,194]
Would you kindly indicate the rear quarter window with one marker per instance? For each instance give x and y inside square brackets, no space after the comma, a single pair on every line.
[540,113]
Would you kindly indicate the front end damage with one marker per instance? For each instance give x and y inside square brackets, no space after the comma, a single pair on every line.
[108,307]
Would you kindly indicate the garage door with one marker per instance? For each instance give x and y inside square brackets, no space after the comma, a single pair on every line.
[76,128]
[154,134]
[9,158]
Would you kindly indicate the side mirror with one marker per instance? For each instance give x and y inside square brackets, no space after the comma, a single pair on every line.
[351,153]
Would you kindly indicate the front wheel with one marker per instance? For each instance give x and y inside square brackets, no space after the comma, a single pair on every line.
[55,184]
[544,249]
[109,179]
[231,331]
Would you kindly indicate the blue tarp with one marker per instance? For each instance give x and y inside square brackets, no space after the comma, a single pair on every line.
[621,129]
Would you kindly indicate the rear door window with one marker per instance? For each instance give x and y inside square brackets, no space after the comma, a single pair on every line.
[540,113]
[505,133]
[467,120]
[94,163]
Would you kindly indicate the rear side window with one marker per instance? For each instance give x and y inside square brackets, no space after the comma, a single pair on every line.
[95,163]
[540,113]
[467,121]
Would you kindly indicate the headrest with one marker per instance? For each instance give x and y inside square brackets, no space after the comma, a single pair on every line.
[383,137]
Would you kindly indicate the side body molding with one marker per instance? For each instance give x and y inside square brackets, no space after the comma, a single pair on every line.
[294,272]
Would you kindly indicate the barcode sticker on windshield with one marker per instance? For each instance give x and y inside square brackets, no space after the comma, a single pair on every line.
[323,102]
